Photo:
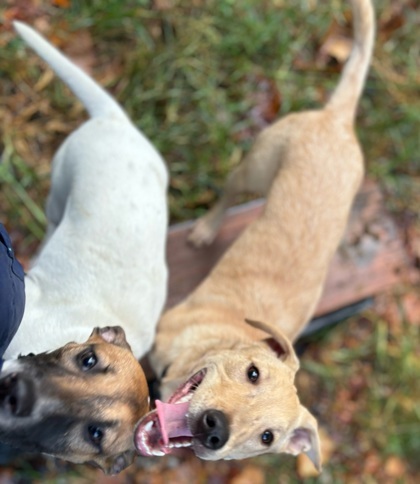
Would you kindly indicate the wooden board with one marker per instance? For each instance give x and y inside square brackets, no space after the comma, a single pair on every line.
[371,258]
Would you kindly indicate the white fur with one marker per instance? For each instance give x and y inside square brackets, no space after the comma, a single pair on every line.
[103,260]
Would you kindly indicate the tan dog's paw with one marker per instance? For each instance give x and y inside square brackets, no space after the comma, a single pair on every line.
[203,232]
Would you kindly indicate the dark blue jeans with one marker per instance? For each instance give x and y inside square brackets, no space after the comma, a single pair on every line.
[12,291]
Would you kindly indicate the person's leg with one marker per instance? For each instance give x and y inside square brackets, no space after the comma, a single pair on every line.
[12,305]
[12,291]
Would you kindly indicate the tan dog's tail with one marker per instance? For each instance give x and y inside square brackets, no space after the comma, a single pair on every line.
[346,96]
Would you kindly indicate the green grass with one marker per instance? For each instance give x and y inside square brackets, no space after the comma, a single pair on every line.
[186,77]
[183,75]
[382,371]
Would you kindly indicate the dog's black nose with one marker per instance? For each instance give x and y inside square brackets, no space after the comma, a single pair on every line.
[17,395]
[213,429]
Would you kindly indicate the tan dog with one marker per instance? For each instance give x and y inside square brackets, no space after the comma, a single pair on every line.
[236,396]
[80,402]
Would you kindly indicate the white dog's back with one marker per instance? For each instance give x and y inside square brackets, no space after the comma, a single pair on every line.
[103,262]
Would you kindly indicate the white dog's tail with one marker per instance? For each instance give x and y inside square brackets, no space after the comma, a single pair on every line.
[349,89]
[96,101]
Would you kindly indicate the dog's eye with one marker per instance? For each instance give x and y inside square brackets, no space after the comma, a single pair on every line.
[95,434]
[88,361]
[253,374]
[267,437]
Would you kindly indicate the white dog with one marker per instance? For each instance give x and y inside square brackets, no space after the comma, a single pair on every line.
[103,260]
[102,263]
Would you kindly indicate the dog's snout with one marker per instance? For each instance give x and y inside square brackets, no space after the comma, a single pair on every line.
[213,429]
[17,395]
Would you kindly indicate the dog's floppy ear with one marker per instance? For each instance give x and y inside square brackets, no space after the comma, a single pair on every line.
[304,438]
[278,343]
[111,334]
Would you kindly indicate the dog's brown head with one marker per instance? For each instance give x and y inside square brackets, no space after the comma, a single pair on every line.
[239,402]
[80,402]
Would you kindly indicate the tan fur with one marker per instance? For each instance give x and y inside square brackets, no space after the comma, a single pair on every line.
[310,166]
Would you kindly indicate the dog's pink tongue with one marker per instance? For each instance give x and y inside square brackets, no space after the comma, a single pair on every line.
[173,420]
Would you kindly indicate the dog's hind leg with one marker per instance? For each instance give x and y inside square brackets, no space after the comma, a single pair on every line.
[253,175]
[206,227]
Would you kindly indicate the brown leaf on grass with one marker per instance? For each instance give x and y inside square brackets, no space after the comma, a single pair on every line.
[25,10]
[411,307]
[334,50]
[205,197]
[372,463]
[265,100]
[336,44]
[358,382]
[393,18]
[78,45]
[396,310]
[386,308]
[249,475]
[304,467]
[82,52]
[57,126]
[388,26]
[345,408]
[45,79]
[62,3]
[413,241]
[112,72]
[394,467]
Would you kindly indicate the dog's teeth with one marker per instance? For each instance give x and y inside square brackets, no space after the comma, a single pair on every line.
[178,444]
[183,444]
[185,398]
[148,426]
[158,453]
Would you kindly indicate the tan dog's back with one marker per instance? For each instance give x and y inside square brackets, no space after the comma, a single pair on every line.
[285,254]
[309,165]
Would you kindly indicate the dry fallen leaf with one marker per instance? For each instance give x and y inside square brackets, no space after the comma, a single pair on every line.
[411,307]
[393,18]
[372,463]
[396,310]
[265,100]
[82,52]
[394,467]
[337,44]
[25,10]
[61,3]
[249,475]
